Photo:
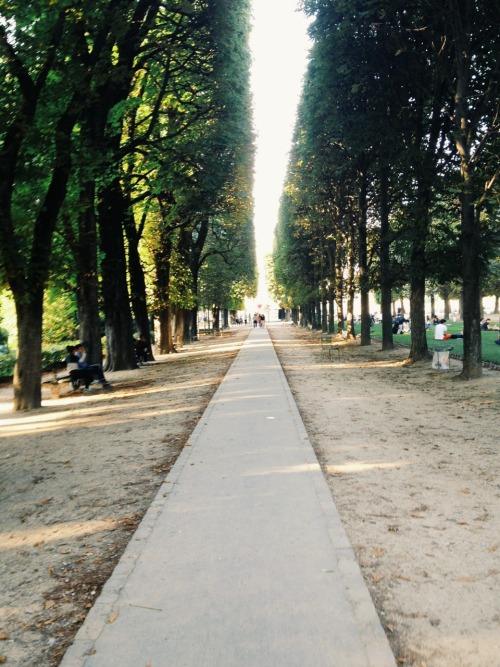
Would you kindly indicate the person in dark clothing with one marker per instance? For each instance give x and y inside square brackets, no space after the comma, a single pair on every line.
[141,349]
[95,369]
[75,372]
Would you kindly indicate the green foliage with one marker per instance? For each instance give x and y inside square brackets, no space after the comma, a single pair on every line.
[7,363]
[60,320]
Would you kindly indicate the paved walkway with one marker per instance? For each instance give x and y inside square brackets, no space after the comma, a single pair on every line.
[241,560]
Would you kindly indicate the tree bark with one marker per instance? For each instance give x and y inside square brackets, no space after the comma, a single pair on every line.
[364,281]
[351,331]
[27,385]
[137,280]
[464,131]
[339,291]
[120,353]
[472,364]
[418,267]
[85,254]
[385,263]
[162,260]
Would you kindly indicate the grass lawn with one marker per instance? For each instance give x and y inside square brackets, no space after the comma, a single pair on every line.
[491,351]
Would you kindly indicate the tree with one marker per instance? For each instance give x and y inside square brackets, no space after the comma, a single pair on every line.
[474,114]
[41,96]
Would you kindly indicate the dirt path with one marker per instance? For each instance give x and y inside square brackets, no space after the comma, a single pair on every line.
[412,459]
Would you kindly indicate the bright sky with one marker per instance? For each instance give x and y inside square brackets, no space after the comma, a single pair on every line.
[279,45]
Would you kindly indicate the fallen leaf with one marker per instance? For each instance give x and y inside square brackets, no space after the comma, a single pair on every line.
[465,491]
[4,636]
[376,576]
[49,604]
[3,659]
[113,617]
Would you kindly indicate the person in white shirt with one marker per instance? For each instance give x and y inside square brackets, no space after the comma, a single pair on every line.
[440,330]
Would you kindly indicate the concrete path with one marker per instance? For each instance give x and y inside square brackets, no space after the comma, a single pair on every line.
[241,560]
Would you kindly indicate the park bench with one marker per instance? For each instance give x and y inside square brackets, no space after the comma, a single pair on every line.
[55,379]
[328,347]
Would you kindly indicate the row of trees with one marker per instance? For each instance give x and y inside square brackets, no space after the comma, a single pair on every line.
[126,168]
[392,179]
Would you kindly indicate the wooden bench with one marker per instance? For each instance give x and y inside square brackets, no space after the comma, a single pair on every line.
[327,347]
[76,383]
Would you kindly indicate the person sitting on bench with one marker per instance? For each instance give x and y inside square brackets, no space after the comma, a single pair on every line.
[95,369]
[75,372]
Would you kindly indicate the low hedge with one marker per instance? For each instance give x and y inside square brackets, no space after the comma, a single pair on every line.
[50,356]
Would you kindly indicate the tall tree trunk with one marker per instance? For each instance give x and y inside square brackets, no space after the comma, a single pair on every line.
[351,331]
[85,254]
[162,260]
[118,318]
[339,293]
[385,263]
[179,327]
[187,335]
[364,280]
[446,291]
[418,268]
[331,285]
[27,387]
[166,343]
[472,365]
[137,280]
[462,20]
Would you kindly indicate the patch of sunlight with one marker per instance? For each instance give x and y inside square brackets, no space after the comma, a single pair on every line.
[289,470]
[82,420]
[378,397]
[38,536]
[374,364]
[364,466]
